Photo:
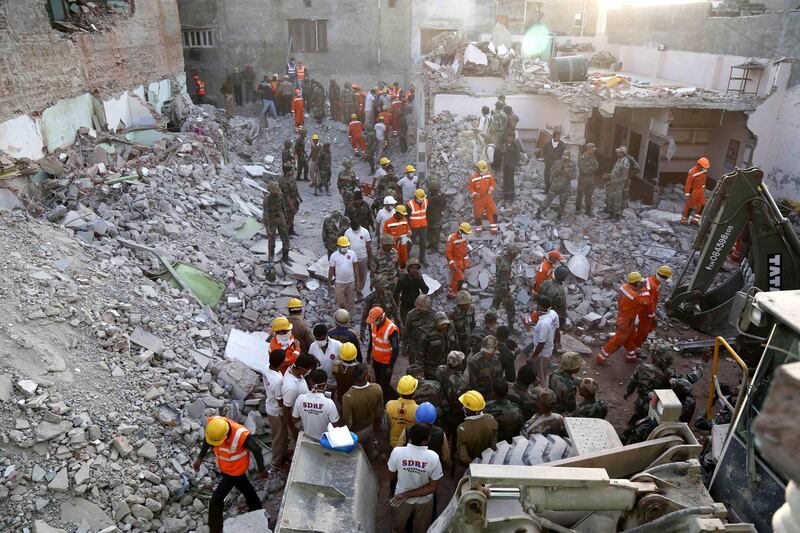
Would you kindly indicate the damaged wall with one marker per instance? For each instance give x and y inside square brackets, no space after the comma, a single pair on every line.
[470,18]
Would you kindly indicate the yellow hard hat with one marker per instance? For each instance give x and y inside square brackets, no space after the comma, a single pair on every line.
[281,323]
[342,241]
[664,271]
[294,303]
[353,116]
[401,209]
[465,227]
[472,400]
[384,161]
[410,168]
[216,430]
[407,385]
[315,137]
[482,166]
[420,194]
[635,277]
[348,351]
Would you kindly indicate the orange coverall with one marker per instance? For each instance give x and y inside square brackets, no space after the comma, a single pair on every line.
[544,272]
[298,108]
[696,189]
[647,314]
[456,252]
[356,131]
[385,117]
[399,229]
[481,187]
[395,109]
[361,98]
[629,302]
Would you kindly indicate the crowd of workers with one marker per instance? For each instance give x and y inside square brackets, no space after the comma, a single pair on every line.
[463,389]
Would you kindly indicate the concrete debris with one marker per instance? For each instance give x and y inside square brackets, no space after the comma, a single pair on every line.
[40,526]
[147,340]
[60,483]
[247,523]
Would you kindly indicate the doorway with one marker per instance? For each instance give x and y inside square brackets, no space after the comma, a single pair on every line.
[650,172]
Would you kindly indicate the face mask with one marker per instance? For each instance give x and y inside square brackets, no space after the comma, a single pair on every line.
[323,346]
[284,338]
[343,250]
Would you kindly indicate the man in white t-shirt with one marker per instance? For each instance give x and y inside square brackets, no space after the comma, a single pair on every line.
[315,410]
[273,405]
[546,336]
[361,244]
[326,350]
[343,270]
[418,471]
[294,384]
[384,214]
[408,183]
[380,138]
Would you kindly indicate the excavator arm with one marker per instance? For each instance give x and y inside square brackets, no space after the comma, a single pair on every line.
[741,204]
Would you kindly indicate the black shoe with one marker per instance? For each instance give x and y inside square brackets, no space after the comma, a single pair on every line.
[291,232]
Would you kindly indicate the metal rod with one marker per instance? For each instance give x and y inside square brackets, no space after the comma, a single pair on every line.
[714,366]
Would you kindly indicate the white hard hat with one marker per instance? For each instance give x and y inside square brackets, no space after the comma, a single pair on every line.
[389,200]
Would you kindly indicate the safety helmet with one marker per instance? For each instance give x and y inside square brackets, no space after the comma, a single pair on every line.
[490,314]
[353,116]
[482,166]
[348,351]
[315,137]
[341,316]
[342,241]
[511,249]
[386,239]
[589,385]
[384,161]
[555,255]
[472,400]
[440,318]
[401,209]
[545,395]
[489,344]
[413,262]
[664,271]
[463,297]
[635,277]
[426,413]
[570,361]
[347,163]
[455,358]
[281,323]
[420,194]
[389,200]
[561,273]
[465,227]
[410,168]
[294,304]
[216,430]
[703,162]
[407,385]
[423,302]
[374,314]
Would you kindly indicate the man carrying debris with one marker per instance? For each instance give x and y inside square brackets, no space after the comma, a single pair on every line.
[588,168]
[418,320]
[232,445]
[590,406]
[347,183]
[397,227]
[646,378]
[629,302]
[313,163]
[300,155]
[619,183]
[545,270]
[300,328]
[298,109]
[356,132]
[481,188]
[650,294]
[274,219]
[504,264]
[695,191]
[436,205]
[384,347]
[484,367]
[463,318]
[564,384]
[291,196]
[342,271]
[436,343]
[387,264]
[418,220]
[333,227]
[477,432]
[561,175]
[552,152]
[325,169]
[456,251]
[410,285]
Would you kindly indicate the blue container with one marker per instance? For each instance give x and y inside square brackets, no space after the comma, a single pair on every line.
[346,449]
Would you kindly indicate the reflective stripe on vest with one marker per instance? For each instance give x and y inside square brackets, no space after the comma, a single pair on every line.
[201,88]
[232,457]
[381,347]
[290,69]
[418,215]
[624,291]
[301,72]
[393,225]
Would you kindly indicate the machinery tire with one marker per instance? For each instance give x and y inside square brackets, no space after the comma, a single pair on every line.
[539,449]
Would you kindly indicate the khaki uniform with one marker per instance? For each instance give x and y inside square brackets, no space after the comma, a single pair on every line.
[474,435]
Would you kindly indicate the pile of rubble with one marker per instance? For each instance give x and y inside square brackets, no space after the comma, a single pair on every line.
[82,16]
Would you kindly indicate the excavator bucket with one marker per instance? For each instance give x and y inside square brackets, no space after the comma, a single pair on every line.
[328,490]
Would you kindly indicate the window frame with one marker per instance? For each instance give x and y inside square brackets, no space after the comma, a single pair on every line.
[199,37]
[300,33]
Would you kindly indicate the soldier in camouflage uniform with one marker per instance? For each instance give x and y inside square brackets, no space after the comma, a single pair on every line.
[333,227]
[318,101]
[386,186]
[561,175]
[463,319]
[436,344]
[387,263]
[360,212]
[545,421]
[519,393]
[402,130]
[484,368]
[428,390]
[683,390]
[454,385]
[436,205]
[619,183]
[419,321]
[479,333]
[301,156]
[325,168]
[382,298]
[287,156]
[587,171]
[590,406]
[274,219]
[504,264]
[646,378]
[291,196]
[371,144]
[348,102]
[509,417]
[496,134]
[564,384]
[554,289]
[347,183]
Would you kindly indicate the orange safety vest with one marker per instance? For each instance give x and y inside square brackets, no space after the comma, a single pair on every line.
[396,228]
[629,301]
[481,183]
[201,87]
[232,457]
[418,213]
[545,272]
[301,72]
[292,352]
[381,347]
[456,248]
[650,295]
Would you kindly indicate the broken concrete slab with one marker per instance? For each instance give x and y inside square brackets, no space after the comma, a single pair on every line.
[79,509]
[254,171]
[320,267]
[5,387]
[83,474]
[473,54]
[47,431]
[571,344]
[60,483]
[249,348]
[40,526]
[297,271]
[579,266]
[249,229]
[432,284]
[247,523]
[147,340]
[239,377]
[660,253]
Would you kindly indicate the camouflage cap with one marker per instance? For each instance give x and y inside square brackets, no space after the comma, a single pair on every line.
[463,297]
[413,262]
[681,386]
[545,395]
[273,186]
[386,239]
[561,272]
[455,358]
[489,344]
[423,302]
[590,386]
[490,314]
[347,163]
[440,318]
[570,361]
[662,350]
[511,249]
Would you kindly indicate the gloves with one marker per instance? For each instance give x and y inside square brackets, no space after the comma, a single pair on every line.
[405,239]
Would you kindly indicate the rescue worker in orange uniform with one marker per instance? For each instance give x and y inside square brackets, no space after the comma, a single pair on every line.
[385,117]
[298,108]
[650,291]
[629,303]
[456,251]
[418,220]
[397,226]
[384,347]
[282,339]
[232,446]
[395,109]
[356,132]
[481,188]
[361,98]
[546,269]
[695,191]
[301,74]
[200,94]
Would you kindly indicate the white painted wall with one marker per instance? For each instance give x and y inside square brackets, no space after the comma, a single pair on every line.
[22,137]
